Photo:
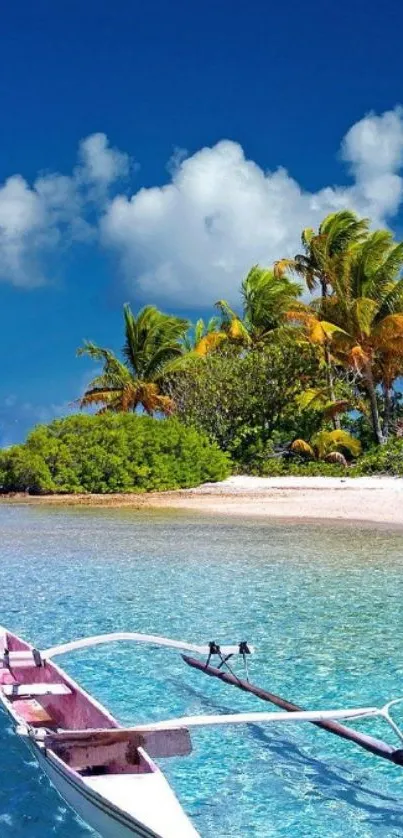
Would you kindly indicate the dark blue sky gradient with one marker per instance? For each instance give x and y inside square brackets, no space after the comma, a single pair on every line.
[285,80]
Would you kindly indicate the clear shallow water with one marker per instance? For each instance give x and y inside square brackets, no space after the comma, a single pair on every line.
[322,603]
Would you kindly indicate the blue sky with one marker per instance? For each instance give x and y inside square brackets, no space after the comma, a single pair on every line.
[153,152]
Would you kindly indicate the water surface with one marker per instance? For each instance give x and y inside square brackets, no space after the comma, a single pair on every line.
[322,603]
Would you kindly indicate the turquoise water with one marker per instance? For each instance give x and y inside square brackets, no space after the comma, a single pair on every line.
[322,603]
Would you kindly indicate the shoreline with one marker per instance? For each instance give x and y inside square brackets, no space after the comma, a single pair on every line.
[377,500]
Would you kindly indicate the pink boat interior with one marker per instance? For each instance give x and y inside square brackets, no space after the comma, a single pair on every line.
[76,728]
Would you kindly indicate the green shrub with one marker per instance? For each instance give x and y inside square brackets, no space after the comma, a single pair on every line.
[282,467]
[318,469]
[23,470]
[384,459]
[111,453]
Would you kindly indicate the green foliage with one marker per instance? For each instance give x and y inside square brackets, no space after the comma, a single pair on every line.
[278,383]
[153,341]
[24,470]
[297,468]
[333,446]
[266,299]
[111,453]
[267,463]
[243,399]
[385,459]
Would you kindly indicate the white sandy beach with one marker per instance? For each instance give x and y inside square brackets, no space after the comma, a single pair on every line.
[366,499]
[371,499]
[376,499]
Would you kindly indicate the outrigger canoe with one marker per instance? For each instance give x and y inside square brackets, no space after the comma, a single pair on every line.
[107,773]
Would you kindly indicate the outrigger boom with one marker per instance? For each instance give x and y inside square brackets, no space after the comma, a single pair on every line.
[264,718]
[25,657]
[106,772]
[176,728]
[369,743]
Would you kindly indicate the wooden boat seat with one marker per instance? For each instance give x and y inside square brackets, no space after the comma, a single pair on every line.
[20,659]
[31,690]
[85,748]
[33,713]
[3,642]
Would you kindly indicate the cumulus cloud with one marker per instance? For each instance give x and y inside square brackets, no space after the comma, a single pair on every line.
[22,218]
[192,241]
[99,162]
[375,143]
[53,212]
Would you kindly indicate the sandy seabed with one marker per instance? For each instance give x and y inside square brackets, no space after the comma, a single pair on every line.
[366,499]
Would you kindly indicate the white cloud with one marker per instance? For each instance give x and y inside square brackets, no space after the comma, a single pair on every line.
[99,162]
[192,241]
[52,213]
[22,218]
[375,143]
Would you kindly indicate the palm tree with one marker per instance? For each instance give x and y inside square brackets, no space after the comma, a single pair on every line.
[266,299]
[204,337]
[154,341]
[232,324]
[362,320]
[337,233]
[331,446]
[389,366]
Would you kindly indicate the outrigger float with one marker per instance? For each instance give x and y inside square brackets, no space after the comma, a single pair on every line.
[107,773]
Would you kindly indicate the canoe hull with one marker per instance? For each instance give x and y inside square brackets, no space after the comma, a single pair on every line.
[119,804]
[95,812]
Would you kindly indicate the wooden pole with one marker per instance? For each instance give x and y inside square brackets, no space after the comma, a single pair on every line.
[369,743]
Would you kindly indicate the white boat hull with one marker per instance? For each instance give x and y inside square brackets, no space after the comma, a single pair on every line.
[94,814]
[132,799]
[100,813]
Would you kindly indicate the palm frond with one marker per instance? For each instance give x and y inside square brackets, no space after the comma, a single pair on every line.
[327,441]
[307,236]
[208,343]
[266,298]
[282,266]
[318,399]
[152,341]
[336,457]
[99,395]
[299,446]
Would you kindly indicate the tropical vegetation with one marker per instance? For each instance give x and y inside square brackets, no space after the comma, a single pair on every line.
[332,446]
[153,341]
[245,400]
[111,453]
[304,376]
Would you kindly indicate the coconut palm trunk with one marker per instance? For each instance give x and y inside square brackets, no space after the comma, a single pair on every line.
[329,364]
[387,416]
[330,383]
[369,385]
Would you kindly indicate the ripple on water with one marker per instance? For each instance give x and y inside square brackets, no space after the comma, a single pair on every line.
[322,603]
